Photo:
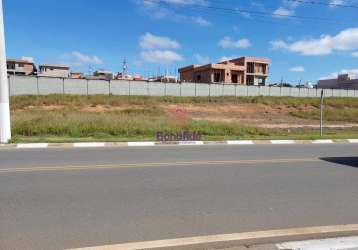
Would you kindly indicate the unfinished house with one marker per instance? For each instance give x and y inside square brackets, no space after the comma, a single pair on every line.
[20,67]
[243,70]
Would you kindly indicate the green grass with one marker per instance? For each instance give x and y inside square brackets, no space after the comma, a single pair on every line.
[142,117]
[19,102]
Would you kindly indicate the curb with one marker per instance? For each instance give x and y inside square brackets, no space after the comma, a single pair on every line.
[175,143]
[236,239]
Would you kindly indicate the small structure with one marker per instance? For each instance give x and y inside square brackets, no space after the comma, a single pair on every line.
[243,70]
[121,76]
[103,75]
[20,67]
[344,81]
[164,78]
[76,75]
[54,70]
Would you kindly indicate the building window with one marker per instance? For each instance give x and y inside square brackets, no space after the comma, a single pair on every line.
[217,77]
[234,78]
[250,67]
[198,78]
[10,66]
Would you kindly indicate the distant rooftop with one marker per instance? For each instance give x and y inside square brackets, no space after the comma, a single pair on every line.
[19,61]
[54,66]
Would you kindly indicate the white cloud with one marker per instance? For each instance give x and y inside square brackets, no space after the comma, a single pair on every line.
[176,2]
[162,10]
[297,69]
[202,59]
[283,12]
[82,58]
[351,72]
[227,43]
[227,58]
[28,58]
[346,40]
[287,9]
[201,21]
[355,54]
[161,56]
[150,41]
[76,59]
[334,3]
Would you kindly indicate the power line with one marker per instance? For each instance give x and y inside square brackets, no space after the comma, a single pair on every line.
[324,3]
[251,12]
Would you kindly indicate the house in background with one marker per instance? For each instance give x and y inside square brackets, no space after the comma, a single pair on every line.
[20,67]
[54,70]
[243,70]
[344,81]
[103,75]
[76,75]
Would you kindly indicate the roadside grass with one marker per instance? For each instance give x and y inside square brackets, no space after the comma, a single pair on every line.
[19,102]
[330,114]
[141,117]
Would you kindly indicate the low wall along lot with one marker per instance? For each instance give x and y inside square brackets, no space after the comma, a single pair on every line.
[32,85]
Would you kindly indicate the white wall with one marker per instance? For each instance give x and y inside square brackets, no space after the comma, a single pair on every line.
[31,85]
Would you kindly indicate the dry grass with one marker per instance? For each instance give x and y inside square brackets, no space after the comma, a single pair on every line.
[124,118]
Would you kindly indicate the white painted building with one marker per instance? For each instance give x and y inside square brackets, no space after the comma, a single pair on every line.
[54,70]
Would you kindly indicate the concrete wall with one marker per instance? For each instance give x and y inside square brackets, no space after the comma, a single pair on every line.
[30,85]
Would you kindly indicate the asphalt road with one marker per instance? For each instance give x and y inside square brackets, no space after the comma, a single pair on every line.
[69,198]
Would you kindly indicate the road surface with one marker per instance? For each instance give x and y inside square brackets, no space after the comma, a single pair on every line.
[71,198]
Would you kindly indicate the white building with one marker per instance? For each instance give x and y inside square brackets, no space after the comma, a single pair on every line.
[54,70]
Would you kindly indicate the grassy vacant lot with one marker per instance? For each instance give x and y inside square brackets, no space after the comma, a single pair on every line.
[117,118]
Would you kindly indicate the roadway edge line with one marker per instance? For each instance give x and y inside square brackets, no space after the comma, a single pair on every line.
[278,235]
[175,143]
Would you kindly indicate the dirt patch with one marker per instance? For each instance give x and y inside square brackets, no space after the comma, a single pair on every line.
[259,115]
[43,107]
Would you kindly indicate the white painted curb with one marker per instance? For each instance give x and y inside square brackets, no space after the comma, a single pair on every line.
[322,141]
[178,143]
[342,243]
[32,145]
[88,144]
[242,142]
[141,143]
[183,143]
[283,142]
[235,237]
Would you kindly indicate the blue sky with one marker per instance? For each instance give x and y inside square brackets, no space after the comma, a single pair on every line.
[162,35]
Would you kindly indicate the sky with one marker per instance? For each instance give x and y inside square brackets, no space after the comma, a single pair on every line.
[305,41]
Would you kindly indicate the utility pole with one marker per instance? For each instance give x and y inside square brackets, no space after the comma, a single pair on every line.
[321,118]
[5,127]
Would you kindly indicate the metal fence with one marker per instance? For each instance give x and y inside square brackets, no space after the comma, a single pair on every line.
[32,85]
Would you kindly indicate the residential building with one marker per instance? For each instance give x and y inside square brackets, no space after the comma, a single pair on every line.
[344,81]
[20,67]
[54,70]
[76,75]
[164,78]
[243,70]
[103,75]
[121,76]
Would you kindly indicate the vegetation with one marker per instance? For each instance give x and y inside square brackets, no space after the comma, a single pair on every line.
[121,118]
